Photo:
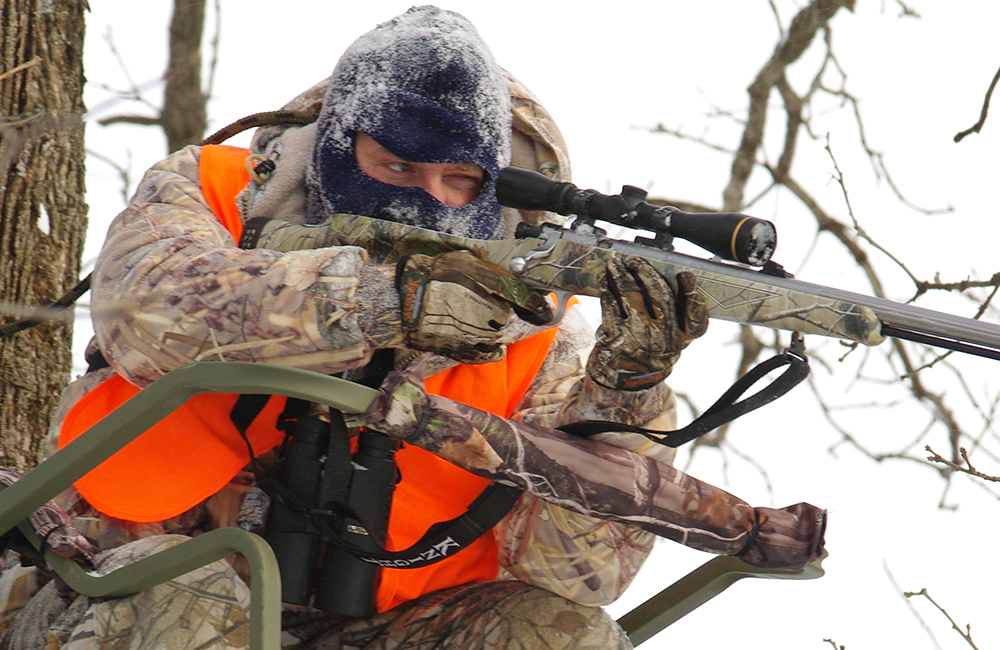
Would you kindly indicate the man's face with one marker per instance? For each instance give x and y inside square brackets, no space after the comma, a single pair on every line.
[450,183]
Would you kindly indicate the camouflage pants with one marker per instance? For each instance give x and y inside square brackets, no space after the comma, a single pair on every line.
[502,615]
[206,609]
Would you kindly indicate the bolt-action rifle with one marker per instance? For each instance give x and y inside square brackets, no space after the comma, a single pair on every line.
[741,284]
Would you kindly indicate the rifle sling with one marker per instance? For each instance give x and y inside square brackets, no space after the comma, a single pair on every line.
[726,408]
[445,538]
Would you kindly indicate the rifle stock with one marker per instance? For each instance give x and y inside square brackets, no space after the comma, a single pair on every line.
[571,261]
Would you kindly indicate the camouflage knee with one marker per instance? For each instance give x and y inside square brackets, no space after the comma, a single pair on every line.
[204,608]
[516,616]
[501,615]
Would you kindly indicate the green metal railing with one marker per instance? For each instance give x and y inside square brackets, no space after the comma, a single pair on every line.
[167,394]
[173,562]
[697,588]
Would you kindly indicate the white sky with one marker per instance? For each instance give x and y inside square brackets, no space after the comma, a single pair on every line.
[603,69]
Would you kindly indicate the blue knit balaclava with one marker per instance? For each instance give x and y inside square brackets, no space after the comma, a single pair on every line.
[426,87]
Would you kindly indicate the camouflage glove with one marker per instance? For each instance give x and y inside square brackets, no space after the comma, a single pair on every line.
[644,325]
[455,304]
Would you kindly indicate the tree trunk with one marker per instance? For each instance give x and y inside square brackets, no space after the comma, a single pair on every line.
[43,216]
[184,104]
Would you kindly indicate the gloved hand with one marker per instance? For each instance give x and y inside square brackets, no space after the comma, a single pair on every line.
[454,304]
[644,325]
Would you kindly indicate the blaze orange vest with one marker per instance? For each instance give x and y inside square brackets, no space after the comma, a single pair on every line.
[195,451]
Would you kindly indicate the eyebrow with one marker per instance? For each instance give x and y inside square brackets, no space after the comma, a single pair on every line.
[465,167]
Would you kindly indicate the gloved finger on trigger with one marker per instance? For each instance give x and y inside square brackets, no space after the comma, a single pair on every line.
[530,305]
[478,353]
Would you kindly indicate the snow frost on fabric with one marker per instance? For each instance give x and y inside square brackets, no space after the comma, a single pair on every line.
[426,87]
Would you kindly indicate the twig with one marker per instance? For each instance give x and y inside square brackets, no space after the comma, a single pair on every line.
[142,120]
[961,287]
[913,610]
[680,135]
[906,11]
[969,469]
[123,171]
[803,28]
[967,634]
[213,66]
[768,485]
[877,157]
[60,310]
[777,19]
[839,177]
[975,128]
[134,91]
[24,66]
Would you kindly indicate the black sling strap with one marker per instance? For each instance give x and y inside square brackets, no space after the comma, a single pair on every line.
[445,538]
[726,408]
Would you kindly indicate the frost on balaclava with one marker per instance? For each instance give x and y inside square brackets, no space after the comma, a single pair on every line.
[426,87]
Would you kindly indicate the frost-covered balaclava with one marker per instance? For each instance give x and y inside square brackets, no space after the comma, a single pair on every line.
[426,87]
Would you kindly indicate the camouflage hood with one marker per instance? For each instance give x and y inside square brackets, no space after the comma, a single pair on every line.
[425,87]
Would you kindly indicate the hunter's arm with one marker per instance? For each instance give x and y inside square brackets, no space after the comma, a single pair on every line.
[587,560]
[171,287]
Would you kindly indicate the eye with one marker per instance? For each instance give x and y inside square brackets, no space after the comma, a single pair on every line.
[466,180]
[400,167]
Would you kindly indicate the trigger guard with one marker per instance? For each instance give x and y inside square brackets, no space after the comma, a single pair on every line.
[563,300]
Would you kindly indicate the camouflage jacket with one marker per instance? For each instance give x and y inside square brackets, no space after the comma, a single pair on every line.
[171,287]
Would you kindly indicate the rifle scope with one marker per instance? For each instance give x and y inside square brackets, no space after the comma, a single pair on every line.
[730,235]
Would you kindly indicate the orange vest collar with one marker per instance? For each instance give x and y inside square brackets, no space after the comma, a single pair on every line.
[225,170]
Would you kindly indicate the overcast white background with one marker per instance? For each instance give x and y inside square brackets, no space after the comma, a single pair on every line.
[604,69]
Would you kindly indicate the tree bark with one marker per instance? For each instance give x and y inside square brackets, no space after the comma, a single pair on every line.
[43,216]
[184,115]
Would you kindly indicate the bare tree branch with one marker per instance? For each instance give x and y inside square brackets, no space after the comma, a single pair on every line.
[183,116]
[122,171]
[905,11]
[851,236]
[134,91]
[216,39]
[975,128]
[909,605]
[839,178]
[968,469]
[18,68]
[966,634]
[142,120]
[801,33]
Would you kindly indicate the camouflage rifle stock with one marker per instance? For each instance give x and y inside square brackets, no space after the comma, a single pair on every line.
[571,260]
